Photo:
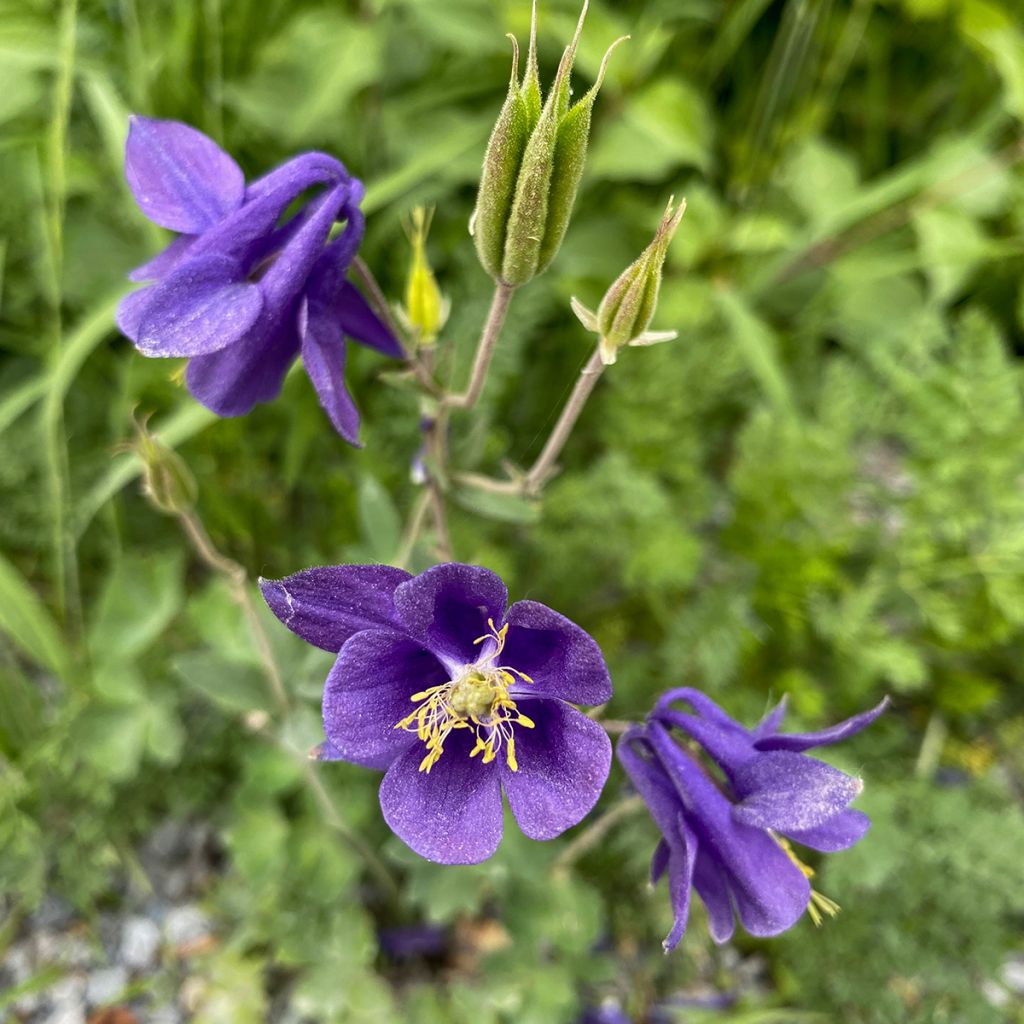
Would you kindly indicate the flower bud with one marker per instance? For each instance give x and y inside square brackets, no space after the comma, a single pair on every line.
[426,309]
[532,167]
[629,304]
[167,482]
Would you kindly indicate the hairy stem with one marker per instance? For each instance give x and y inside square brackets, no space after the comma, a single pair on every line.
[484,350]
[595,832]
[544,468]
[238,580]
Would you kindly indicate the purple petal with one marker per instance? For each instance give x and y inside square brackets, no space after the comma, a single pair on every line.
[839,833]
[785,791]
[323,355]
[327,751]
[358,320]
[202,306]
[328,604]
[730,747]
[290,271]
[805,741]
[180,178]
[449,606]
[451,814]
[682,862]
[769,725]
[712,885]
[659,861]
[296,175]
[769,891]
[164,261]
[367,694]
[562,659]
[232,381]
[563,766]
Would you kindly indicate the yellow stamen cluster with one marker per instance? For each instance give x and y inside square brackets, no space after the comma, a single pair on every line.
[477,699]
[819,903]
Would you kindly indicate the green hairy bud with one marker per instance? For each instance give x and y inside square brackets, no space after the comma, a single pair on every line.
[629,304]
[167,482]
[532,167]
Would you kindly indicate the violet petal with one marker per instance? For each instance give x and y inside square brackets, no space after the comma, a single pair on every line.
[451,814]
[164,261]
[323,356]
[328,604]
[834,734]
[563,766]
[449,605]
[367,694]
[838,833]
[180,177]
[783,791]
[562,659]
[202,306]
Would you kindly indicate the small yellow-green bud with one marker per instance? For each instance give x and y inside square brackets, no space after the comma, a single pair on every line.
[426,309]
[167,482]
[532,167]
[628,306]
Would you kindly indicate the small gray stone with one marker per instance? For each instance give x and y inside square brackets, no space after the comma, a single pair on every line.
[140,940]
[68,1001]
[995,995]
[1012,975]
[106,984]
[185,924]
[60,948]
[165,1015]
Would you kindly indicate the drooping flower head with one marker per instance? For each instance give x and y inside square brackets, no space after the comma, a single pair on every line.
[456,698]
[730,840]
[240,293]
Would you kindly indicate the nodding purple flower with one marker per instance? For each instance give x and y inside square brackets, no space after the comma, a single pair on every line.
[730,840]
[240,293]
[455,698]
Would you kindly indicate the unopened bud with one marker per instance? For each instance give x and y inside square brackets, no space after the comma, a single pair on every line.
[532,167]
[426,309]
[629,304]
[167,482]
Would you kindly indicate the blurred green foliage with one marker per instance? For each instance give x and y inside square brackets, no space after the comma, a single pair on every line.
[816,490]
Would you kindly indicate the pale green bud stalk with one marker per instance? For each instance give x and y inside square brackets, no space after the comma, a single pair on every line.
[167,482]
[532,167]
[629,304]
[426,310]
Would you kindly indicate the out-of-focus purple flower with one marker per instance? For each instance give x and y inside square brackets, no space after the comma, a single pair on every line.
[730,841]
[239,293]
[456,699]
[411,941]
[608,1012]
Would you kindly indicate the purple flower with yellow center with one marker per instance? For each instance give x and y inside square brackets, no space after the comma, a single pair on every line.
[456,697]
[731,839]
[239,293]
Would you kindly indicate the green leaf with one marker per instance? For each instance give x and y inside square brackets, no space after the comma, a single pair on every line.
[235,686]
[138,602]
[28,625]
[379,521]
[502,508]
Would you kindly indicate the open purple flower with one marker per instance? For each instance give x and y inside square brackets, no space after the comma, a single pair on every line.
[240,293]
[731,841]
[456,698]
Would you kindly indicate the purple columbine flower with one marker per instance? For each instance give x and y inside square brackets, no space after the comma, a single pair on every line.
[456,699]
[731,841]
[240,294]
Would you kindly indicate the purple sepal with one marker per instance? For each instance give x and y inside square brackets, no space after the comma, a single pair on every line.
[202,306]
[563,766]
[328,604]
[180,178]
[451,815]
[824,737]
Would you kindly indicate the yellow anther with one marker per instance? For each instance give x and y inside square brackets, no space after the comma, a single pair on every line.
[818,903]
[478,699]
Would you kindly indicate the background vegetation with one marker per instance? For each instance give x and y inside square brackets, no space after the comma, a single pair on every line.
[817,490]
